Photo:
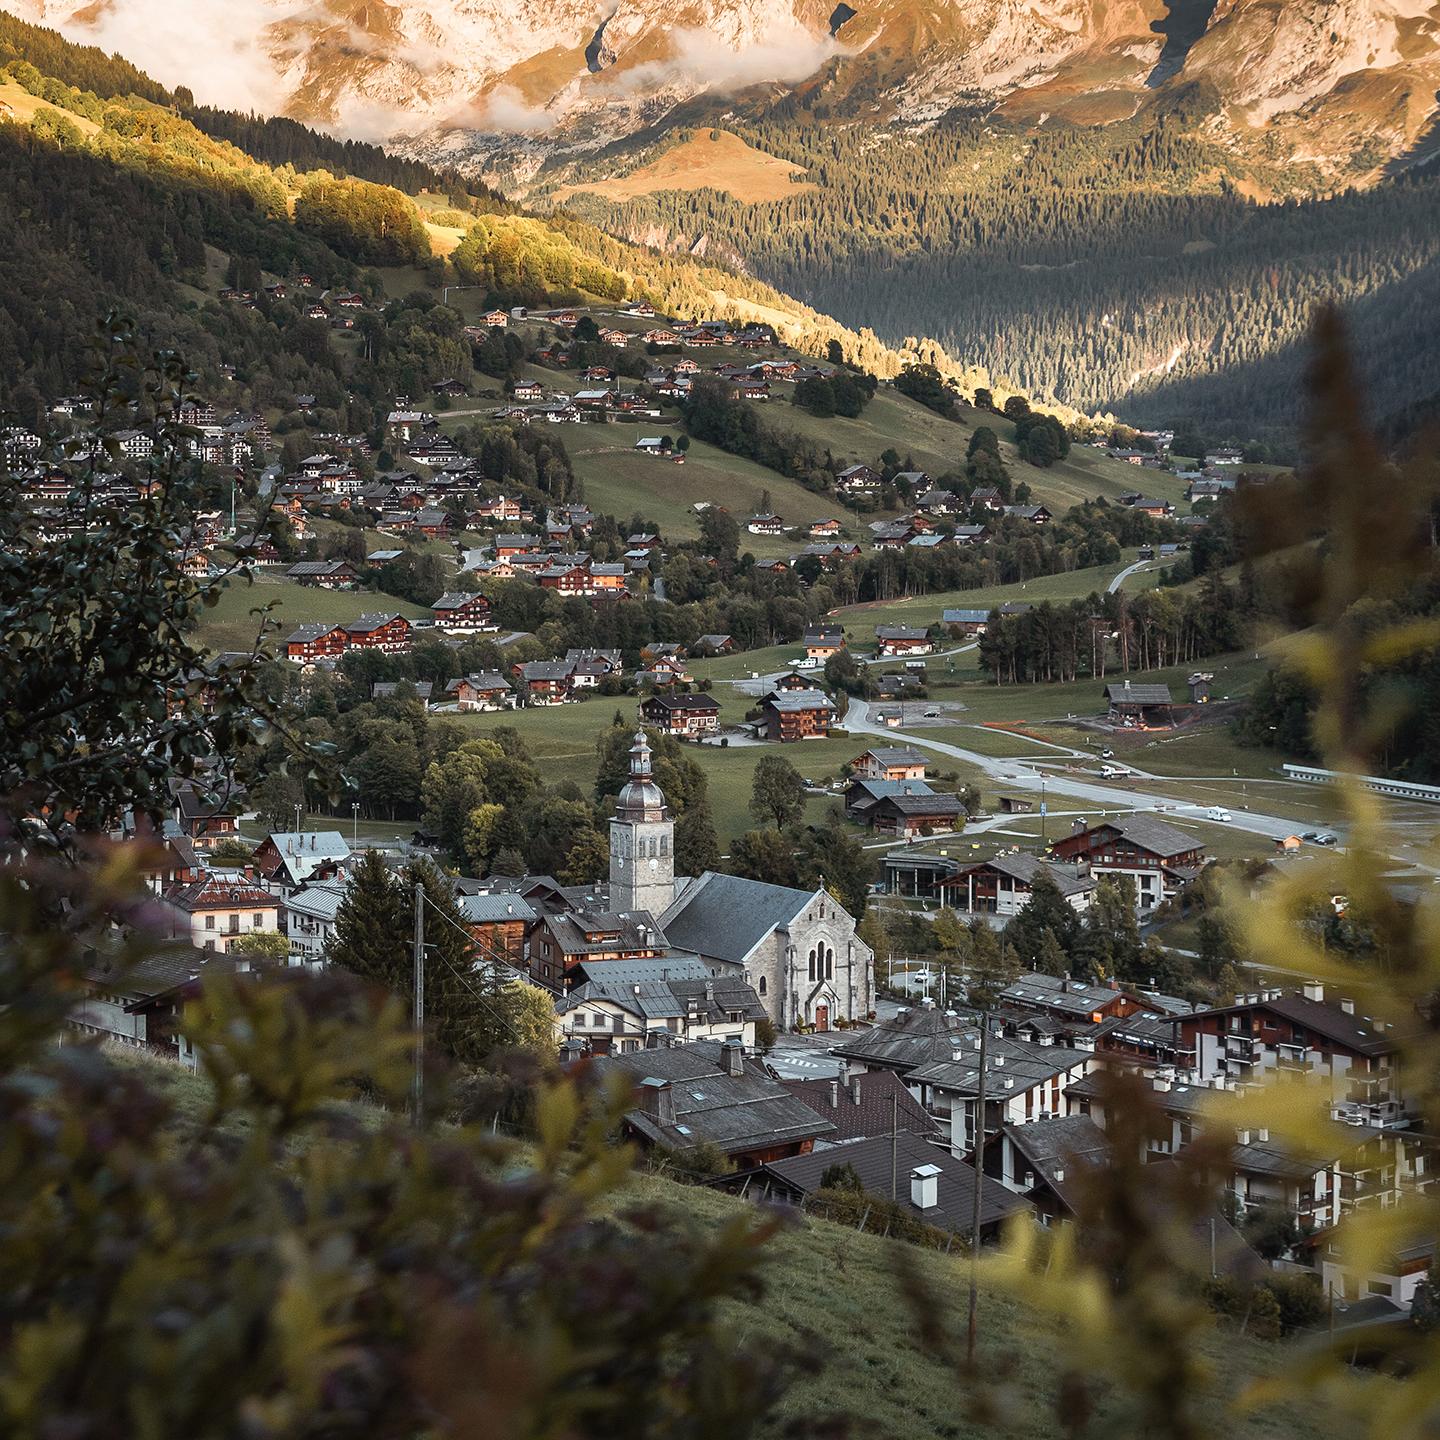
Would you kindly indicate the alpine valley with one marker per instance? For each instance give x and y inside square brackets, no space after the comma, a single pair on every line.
[1126,207]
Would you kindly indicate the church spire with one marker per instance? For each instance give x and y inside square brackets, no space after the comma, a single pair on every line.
[640,799]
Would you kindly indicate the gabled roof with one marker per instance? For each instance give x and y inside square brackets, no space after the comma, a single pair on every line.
[872,1161]
[726,916]
[1356,1032]
[913,1037]
[882,1099]
[895,755]
[1011,1066]
[735,1112]
[494,909]
[1139,694]
[793,701]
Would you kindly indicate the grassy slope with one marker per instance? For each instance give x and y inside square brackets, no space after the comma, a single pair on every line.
[230,626]
[836,1293]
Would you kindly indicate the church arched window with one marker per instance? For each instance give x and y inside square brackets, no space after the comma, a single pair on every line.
[811,970]
[830,962]
[763,986]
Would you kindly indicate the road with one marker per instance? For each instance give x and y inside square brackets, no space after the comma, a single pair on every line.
[1025,775]
[1125,574]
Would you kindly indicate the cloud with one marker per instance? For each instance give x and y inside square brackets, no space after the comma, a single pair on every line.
[703,60]
[505,111]
[215,47]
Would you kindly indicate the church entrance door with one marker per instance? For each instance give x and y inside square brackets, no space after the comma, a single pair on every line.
[822,1017]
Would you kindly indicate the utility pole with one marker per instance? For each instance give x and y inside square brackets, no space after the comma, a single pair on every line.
[1043,809]
[894,1137]
[979,1181]
[417,1091]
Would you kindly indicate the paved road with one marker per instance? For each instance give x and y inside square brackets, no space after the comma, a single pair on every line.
[1023,775]
[1125,574]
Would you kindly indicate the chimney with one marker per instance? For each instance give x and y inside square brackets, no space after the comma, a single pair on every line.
[855,1090]
[1313,990]
[1060,1175]
[1347,1005]
[732,1054]
[925,1187]
[709,992]
[834,1094]
[657,1100]
[1263,1134]
[1242,1137]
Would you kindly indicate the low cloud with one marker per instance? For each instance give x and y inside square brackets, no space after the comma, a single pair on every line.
[703,60]
[505,111]
[214,47]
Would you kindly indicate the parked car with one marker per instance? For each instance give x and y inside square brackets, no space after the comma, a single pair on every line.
[1325,838]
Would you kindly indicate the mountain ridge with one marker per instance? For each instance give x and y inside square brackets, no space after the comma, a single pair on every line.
[1347,86]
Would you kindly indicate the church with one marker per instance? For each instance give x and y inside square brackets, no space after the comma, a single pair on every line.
[797,948]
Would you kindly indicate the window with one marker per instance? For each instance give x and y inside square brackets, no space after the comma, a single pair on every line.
[257,921]
[763,986]
[209,922]
[811,970]
[1379,1287]
[579,1019]
[618,1024]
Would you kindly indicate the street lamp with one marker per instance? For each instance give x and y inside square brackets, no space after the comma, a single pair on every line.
[1042,810]
[354,823]
[297,819]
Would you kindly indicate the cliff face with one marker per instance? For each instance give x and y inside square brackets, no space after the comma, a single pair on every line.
[1332,79]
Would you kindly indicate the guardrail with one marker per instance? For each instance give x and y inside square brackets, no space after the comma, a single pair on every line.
[1376,784]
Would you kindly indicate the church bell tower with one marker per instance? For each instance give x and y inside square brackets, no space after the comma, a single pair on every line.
[642,840]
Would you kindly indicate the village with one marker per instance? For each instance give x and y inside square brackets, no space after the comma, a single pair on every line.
[755,1020]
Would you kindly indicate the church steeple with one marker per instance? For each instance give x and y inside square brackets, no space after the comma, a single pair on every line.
[642,840]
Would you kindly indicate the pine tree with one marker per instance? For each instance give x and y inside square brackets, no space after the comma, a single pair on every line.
[1045,910]
[1050,958]
[697,847]
[370,935]
[508,861]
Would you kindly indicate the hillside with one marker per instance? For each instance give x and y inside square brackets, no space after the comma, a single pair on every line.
[836,1293]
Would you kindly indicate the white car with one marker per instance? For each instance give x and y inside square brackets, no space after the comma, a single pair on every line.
[1218,812]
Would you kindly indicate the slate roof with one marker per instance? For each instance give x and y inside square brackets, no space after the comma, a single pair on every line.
[715,999]
[735,1112]
[1050,992]
[493,909]
[159,973]
[1057,1149]
[456,599]
[789,701]
[1139,694]
[1151,834]
[319,902]
[883,1100]
[1024,868]
[383,689]
[871,1160]
[895,755]
[901,632]
[726,916]
[1356,1032]
[648,970]
[912,1038]
[1011,1066]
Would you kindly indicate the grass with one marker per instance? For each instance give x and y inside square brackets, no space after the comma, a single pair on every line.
[230,626]
[710,160]
[838,1295]
[622,482]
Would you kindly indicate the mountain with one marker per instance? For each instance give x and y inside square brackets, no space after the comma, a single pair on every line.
[1345,86]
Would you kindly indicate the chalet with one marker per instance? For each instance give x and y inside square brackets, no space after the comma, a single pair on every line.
[1071,1001]
[1157,509]
[987,497]
[595,399]
[527,390]
[1199,685]
[1003,885]
[654,444]
[404,425]
[941,502]
[830,553]
[824,529]
[1024,1083]
[858,479]
[896,640]
[450,389]
[970,534]
[1157,857]
[205,821]
[765,525]
[507,546]
[317,640]
[903,808]
[387,632]
[778,566]
[459,612]
[140,1005]
[1228,456]
[797,715]
[610,336]
[485,690]
[348,300]
[421,690]
[309,917]
[687,717]
[214,912]
[324,574]
[708,645]
[569,576]
[545,682]
[889,762]
[863,1107]
[660,336]
[891,534]
[1044,1159]
[823,641]
[1029,514]
[935,1188]
[601,662]
[1142,706]
[290,859]
[965,622]
[495,320]
[914,480]
[499,925]
[1283,1034]
[708,1093]
[611,1017]
[642,308]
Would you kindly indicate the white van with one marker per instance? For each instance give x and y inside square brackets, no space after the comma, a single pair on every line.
[1218,812]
